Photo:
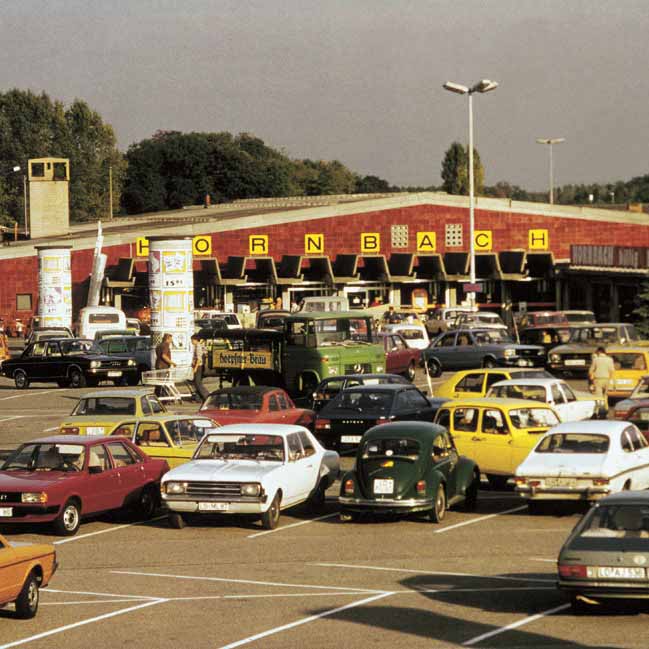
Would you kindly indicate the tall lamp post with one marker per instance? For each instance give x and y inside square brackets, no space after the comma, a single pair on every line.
[485,85]
[550,141]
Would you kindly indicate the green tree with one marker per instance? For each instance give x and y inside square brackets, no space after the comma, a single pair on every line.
[455,167]
[641,312]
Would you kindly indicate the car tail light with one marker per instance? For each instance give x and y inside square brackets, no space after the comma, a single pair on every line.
[349,487]
[599,482]
[573,572]
[534,483]
[520,481]
[322,424]
[69,430]
[621,414]
[421,487]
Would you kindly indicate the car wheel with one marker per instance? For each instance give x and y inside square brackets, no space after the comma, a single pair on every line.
[434,367]
[497,482]
[270,517]
[68,521]
[471,495]
[176,520]
[317,501]
[439,506]
[77,379]
[147,503]
[21,380]
[411,371]
[27,602]
[489,362]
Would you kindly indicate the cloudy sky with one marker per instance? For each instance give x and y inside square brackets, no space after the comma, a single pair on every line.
[356,80]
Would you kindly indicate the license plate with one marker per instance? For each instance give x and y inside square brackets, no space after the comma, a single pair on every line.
[213,507]
[115,373]
[523,363]
[95,430]
[575,361]
[6,511]
[383,486]
[350,439]
[561,482]
[620,573]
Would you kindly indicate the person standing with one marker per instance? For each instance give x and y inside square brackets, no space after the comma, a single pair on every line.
[163,354]
[600,373]
[198,363]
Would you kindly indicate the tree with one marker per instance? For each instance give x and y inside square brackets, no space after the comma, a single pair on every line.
[455,167]
[641,312]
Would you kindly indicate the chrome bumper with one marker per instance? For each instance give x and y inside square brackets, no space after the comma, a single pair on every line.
[566,492]
[385,503]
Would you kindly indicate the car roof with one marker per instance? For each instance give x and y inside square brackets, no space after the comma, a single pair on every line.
[531,381]
[479,402]
[626,498]
[327,315]
[246,389]
[260,429]
[135,392]
[383,387]
[84,440]
[165,417]
[599,426]
[420,430]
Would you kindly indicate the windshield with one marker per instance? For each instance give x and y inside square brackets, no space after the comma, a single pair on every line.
[328,332]
[533,418]
[411,334]
[46,457]
[241,447]
[74,347]
[629,361]
[369,403]
[189,431]
[533,392]
[233,401]
[103,318]
[105,406]
[494,336]
[573,443]
[380,448]
[580,316]
[595,335]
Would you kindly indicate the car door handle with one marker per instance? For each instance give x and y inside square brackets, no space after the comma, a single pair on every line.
[309,466]
[476,439]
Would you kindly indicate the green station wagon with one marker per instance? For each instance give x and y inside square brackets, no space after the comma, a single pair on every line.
[406,467]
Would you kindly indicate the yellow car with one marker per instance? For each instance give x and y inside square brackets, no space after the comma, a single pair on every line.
[24,568]
[100,412]
[469,384]
[497,434]
[631,364]
[169,437]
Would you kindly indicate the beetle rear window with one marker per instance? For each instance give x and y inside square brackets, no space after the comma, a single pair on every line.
[573,443]
[105,406]
[375,448]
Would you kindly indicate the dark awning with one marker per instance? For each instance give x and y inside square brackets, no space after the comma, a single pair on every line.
[317,269]
[234,271]
[430,267]
[345,268]
[209,273]
[540,265]
[374,268]
[512,263]
[121,275]
[288,270]
[261,270]
[487,266]
[456,265]
[401,265]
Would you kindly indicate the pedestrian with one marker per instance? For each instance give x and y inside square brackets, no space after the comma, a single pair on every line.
[391,317]
[198,362]
[600,373]
[278,304]
[163,354]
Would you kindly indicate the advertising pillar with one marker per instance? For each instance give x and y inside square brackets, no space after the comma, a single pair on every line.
[54,286]
[171,291]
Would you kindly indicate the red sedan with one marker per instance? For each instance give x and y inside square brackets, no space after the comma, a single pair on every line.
[399,358]
[255,404]
[59,479]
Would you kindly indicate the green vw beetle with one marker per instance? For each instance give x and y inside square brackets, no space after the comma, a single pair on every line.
[408,466]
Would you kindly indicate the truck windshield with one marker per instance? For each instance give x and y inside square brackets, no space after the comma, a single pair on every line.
[328,332]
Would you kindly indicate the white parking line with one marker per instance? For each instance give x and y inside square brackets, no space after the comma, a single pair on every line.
[515,625]
[67,627]
[286,527]
[543,560]
[10,418]
[95,594]
[108,529]
[479,519]
[306,620]
[29,394]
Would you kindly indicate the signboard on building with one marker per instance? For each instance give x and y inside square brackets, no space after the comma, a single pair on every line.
[609,256]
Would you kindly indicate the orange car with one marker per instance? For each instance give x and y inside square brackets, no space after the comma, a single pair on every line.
[24,569]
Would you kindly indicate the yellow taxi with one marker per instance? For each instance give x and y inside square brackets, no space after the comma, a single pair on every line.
[168,437]
[497,434]
[631,364]
[469,384]
[24,569]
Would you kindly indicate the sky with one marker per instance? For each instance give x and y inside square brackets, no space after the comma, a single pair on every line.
[359,81]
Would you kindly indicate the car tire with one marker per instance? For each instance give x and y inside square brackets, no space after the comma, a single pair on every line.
[497,482]
[411,372]
[471,495]
[489,362]
[21,379]
[176,520]
[434,367]
[63,383]
[77,379]
[28,598]
[439,505]
[147,503]
[68,521]
[270,518]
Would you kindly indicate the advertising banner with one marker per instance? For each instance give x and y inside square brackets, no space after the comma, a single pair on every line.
[54,287]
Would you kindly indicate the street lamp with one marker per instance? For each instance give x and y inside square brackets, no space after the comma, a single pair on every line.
[485,85]
[550,141]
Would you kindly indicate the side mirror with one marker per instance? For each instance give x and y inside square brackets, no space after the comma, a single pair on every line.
[93,470]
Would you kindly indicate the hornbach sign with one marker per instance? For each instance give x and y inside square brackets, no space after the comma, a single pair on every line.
[609,256]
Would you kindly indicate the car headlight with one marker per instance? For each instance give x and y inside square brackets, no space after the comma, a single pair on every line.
[379,368]
[131,363]
[95,364]
[509,353]
[252,489]
[333,370]
[555,358]
[34,497]
[175,487]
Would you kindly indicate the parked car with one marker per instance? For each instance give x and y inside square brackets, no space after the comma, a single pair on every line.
[441,320]
[476,383]
[605,555]
[575,317]
[584,461]
[25,568]
[324,303]
[415,335]
[399,357]
[479,320]
[49,333]
[541,318]
[99,413]
[231,320]
[272,319]
[575,355]
[471,348]
[255,404]
[173,438]
[497,434]
[138,347]
[329,388]
[638,415]
[569,404]
[250,469]
[641,391]
[344,420]
[99,318]
[71,363]
[62,478]
[104,334]
[547,335]
[406,467]
[631,365]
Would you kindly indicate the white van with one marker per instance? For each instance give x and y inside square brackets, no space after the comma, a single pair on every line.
[325,303]
[99,318]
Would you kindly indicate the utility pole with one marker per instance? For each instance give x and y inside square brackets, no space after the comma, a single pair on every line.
[110,191]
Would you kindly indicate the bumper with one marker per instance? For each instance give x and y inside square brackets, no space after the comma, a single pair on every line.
[518,361]
[233,506]
[562,493]
[111,372]
[605,589]
[385,505]
[30,514]
[561,367]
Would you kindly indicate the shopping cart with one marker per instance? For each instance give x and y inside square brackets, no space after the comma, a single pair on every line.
[167,382]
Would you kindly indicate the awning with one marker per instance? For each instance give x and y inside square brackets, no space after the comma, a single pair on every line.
[512,263]
[374,268]
[345,269]
[122,275]
[261,270]
[289,270]
[234,271]
[401,266]
[430,267]
[487,266]
[317,269]
[456,265]
[540,265]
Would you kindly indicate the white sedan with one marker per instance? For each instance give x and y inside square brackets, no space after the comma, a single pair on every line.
[584,461]
[250,469]
[415,335]
[569,405]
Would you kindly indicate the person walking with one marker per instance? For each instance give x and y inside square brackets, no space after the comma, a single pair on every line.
[198,362]
[600,373]
[163,354]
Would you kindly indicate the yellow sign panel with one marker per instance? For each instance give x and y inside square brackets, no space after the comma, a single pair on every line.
[482,240]
[313,244]
[370,242]
[426,242]
[141,247]
[258,244]
[202,245]
[242,360]
[538,240]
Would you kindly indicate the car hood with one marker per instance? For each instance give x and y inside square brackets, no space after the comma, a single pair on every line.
[221,470]
[234,416]
[583,348]
[13,481]
[562,464]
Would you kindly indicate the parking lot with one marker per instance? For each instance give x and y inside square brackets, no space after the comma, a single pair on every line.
[478,579]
